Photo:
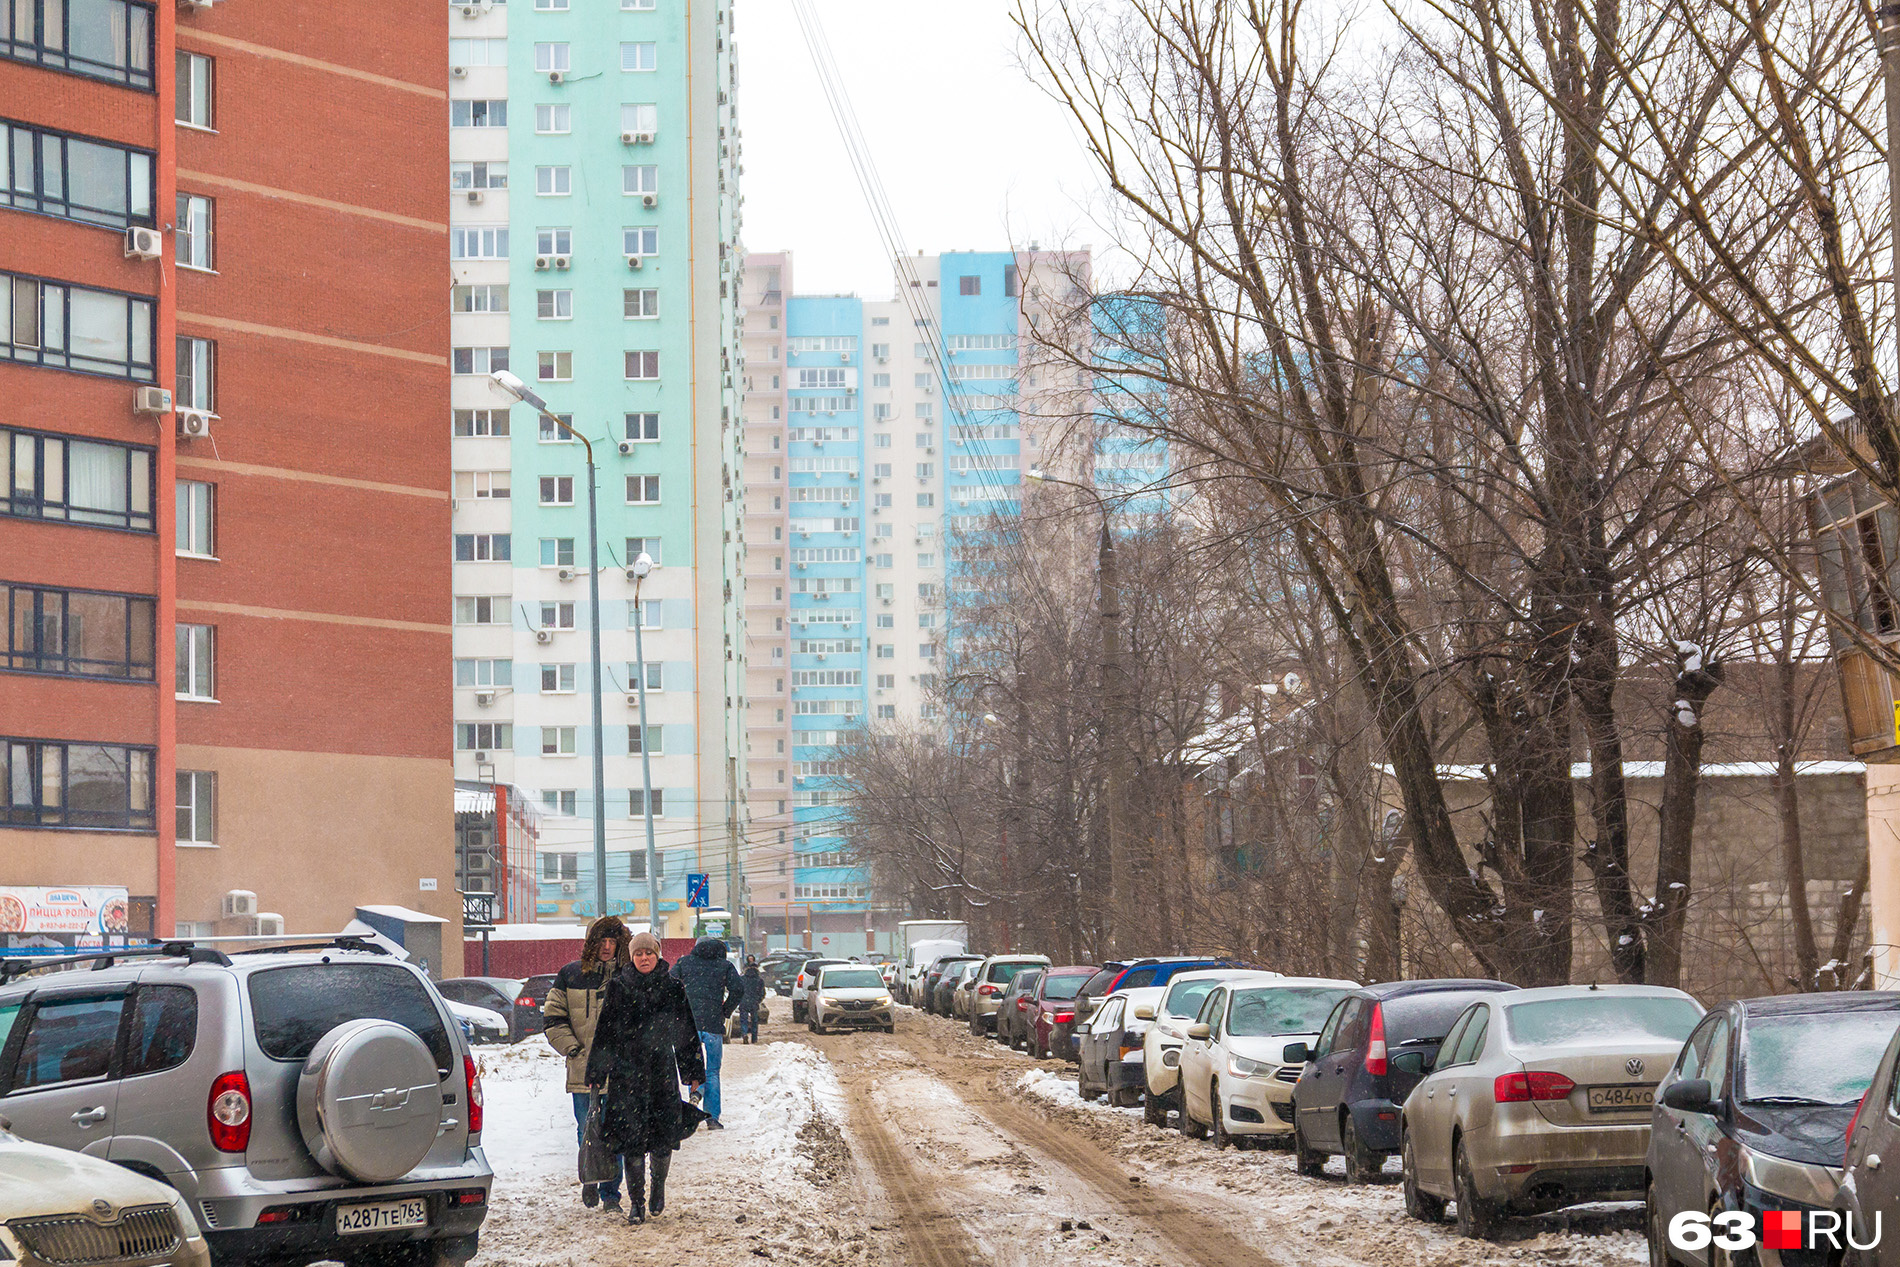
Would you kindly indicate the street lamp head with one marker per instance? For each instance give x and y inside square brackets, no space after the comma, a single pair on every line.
[515,387]
[642,564]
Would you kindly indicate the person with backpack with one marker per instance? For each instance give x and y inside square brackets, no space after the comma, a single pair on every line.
[714,988]
[751,1001]
[571,1014]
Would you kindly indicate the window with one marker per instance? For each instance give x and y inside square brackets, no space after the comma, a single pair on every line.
[193,505]
[561,801]
[643,490]
[643,366]
[881,413]
[640,180]
[924,409]
[637,863]
[554,241]
[64,326]
[925,470]
[551,6]
[650,613]
[927,620]
[885,650]
[481,611]
[638,305]
[70,1040]
[560,866]
[101,39]
[484,736]
[640,6]
[885,621]
[557,490]
[557,679]
[640,241]
[481,422]
[642,428]
[887,712]
[484,672]
[478,242]
[553,181]
[554,367]
[969,285]
[478,175]
[553,120]
[880,380]
[73,178]
[641,118]
[636,803]
[196,386]
[197,803]
[194,667]
[194,104]
[477,114]
[881,501]
[1012,282]
[652,739]
[44,783]
[77,633]
[557,741]
[554,305]
[478,299]
[552,434]
[557,552]
[549,57]
[479,53]
[926,500]
[639,56]
[650,546]
[477,360]
[483,547]
[557,615]
[654,671]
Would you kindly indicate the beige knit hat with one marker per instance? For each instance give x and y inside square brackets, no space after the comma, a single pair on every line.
[643,941]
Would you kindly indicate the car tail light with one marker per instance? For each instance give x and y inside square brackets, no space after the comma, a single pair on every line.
[987,990]
[1854,1121]
[1063,1018]
[228,1113]
[1535,1084]
[473,1077]
[468,1196]
[1022,1005]
[1375,1050]
[526,1002]
[801,978]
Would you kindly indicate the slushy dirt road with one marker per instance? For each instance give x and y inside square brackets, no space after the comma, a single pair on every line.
[935,1148]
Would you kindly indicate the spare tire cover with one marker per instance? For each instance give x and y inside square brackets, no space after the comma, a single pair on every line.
[369,1101]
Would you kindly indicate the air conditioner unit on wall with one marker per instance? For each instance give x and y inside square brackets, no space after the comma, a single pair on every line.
[240,904]
[563,261]
[458,72]
[566,574]
[649,200]
[543,262]
[193,423]
[143,244]
[474,195]
[481,758]
[268,924]
[484,699]
[570,887]
[544,635]
[557,77]
[151,400]
[636,262]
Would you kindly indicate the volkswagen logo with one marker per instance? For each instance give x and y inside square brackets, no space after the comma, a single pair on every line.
[1634,1066]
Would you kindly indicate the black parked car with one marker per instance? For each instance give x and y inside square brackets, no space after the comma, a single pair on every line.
[504,996]
[1012,1010]
[1377,1044]
[1754,1114]
[936,998]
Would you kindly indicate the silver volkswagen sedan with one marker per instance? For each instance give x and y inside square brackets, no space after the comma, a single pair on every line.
[1540,1099]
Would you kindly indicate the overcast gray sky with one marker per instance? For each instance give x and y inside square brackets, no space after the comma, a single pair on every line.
[970,151]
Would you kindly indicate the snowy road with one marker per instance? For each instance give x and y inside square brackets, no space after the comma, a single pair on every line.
[934,1148]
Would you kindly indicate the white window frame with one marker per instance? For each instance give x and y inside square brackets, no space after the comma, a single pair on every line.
[639,57]
[639,178]
[553,118]
[554,180]
[554,367]
[194,237]
[643,427]
[562,677]
[557,490]
[195,534]
[647,484]
[198,643]
[558,741]
[551,56]
[196,795]
[644,302]
[559,305]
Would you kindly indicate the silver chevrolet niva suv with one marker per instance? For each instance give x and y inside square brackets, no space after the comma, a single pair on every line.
[309,1102]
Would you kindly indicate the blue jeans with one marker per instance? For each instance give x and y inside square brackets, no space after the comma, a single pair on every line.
[748,1020]
[609,1191]
[714,1045]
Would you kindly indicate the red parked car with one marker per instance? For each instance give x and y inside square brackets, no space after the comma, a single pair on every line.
[1051,1013]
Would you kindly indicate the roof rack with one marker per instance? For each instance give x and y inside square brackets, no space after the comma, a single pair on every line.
[362,945]
[20,965]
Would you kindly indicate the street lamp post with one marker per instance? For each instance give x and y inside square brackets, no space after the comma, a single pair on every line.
[519,390]
[642,565]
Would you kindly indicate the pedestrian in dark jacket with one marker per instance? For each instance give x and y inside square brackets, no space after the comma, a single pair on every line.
[714,989]
[644,1046]
[571,1012]
[749,1004]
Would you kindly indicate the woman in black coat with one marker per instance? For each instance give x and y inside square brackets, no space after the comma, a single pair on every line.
[644,1045]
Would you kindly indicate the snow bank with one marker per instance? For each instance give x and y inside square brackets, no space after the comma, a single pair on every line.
[1060,1090]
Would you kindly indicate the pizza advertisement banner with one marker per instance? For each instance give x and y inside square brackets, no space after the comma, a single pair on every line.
[84,910]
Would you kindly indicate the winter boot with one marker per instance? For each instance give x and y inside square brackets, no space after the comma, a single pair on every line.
[636,1166]
[590,1195]
[662,1162]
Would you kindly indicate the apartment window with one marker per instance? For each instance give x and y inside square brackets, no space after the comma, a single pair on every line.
[886,681]
[484,610]
[482,485]
[554,367]
[969,285]
[64,326]
[649,613]
[197,807]
[477,360]
[886,590]
[885,650]
[638,6]
[560,866]
[643,427]
[882,351]
[643,366]
[644,179]
[1012,283]
[887,712]
[927,620]
[926,500]
[78,481]
[925,470]
[557,615]
[637,802]
[478,53]
[478,299]
[553,119]
[926,560]
[554,305]
[195,679]
[554,241]
[643,490]
[924,409]
[551,434]
[478,242]
[481,422]
[557,552]
[561,801]
[886,621]
[77,633]
[650,546]
[881,413]
[652,740]
[557,490]
[553,181]
[192,502]
[483,547]
[478,114]
[478,175]
[101,39]
[881,501]
[484,736]
[639,57]
[196,385]
[880,380]
[639,305]
[927,591]
[881,560]
[549,57]
[73,178]
[920,350]
[640,241]
[643,117]
[653,670]
[195,94]
[484,672]
[551,6]
[44,783]
[557,741]
[881,470]
[637,858]
[557,679]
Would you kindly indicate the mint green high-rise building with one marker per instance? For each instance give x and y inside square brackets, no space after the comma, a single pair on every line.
[594,222]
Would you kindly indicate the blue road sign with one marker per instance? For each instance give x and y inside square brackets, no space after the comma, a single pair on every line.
[698,889]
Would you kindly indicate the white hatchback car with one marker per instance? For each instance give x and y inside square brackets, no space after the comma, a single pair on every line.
[1236,1079]
[58,1206]
[1171,1015]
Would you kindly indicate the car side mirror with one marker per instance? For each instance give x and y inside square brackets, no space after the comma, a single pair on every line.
[1200,1031]
[1297,1053]
[1416,1063]
[1145,1012]
[1689,1095]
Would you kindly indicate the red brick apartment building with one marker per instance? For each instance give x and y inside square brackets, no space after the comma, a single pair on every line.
[242,203]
